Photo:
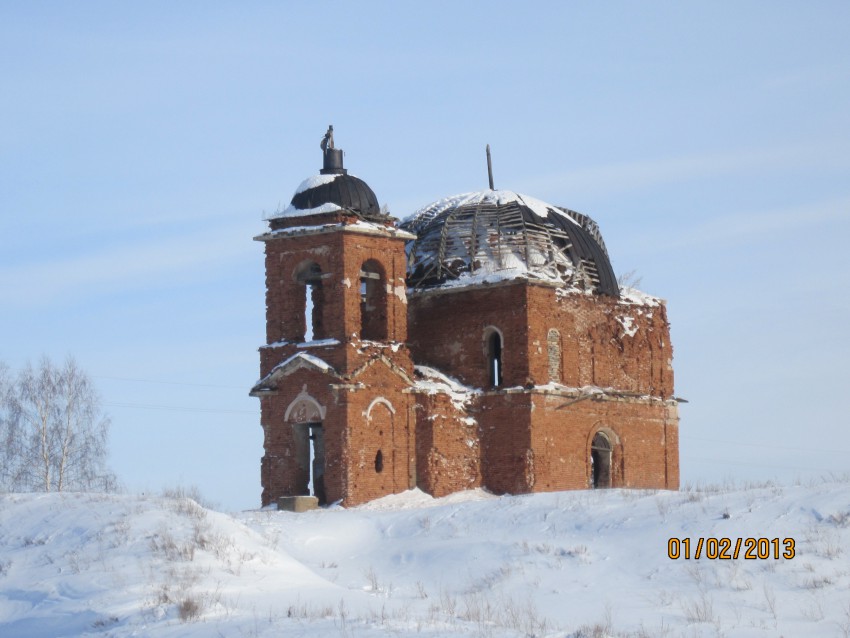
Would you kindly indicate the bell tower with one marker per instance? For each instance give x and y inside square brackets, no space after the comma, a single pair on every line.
[336,313]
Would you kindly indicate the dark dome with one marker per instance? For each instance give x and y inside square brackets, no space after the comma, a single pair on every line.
[495,235]
[341,189]
[333,189]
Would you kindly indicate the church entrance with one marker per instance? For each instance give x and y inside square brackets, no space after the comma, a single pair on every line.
[600,461]
[310,459]
[316,485]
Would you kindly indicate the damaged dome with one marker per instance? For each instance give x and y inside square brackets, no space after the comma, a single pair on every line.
[495,235]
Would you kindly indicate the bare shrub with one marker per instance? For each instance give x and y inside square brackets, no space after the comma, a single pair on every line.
[770,599]
[598,630]
[813,612]
[190,493]
[173,550]
[817,583]
[105,623]
[420,589]
[372,577]
[841,519]
[189,609]
[699,610]
[448,602]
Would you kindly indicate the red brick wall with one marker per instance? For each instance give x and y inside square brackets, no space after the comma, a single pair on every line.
[351,439]
[644,434]
[595,347]
[380,418]
[505,420]
[448,447]
[447,331]
[340,255]
[280,474]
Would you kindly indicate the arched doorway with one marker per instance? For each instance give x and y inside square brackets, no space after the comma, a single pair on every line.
[600,461]
[306,416]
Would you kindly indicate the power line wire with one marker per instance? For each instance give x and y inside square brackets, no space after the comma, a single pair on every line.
[186,383]
[176,408]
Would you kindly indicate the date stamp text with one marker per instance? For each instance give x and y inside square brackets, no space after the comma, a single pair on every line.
[731,548]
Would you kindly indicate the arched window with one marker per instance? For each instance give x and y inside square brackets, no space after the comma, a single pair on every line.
[553,352]
[373,302]
[379,462]
[309,274]
[600,461]
[493,348]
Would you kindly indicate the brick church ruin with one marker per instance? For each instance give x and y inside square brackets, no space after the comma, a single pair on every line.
[483,342]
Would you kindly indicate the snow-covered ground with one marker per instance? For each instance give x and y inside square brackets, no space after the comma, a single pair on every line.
[577,564]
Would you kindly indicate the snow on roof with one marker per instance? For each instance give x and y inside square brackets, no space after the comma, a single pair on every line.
[432,381]
[487,275]
[297,230]
[308,358]
[291,364]
[636,297]
[307,184]
[314,181]
[495,197]
[292,211]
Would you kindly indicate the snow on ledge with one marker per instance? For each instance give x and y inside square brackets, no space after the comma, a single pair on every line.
[318,343]
[636,297]
[292,211]
[433,381]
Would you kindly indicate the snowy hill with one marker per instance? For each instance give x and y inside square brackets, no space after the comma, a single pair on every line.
[561,564]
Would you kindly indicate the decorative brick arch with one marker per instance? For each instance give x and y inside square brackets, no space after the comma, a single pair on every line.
[612,473]
[376,401]
[304,409]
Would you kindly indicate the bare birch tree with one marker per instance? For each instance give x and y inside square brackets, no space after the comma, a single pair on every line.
[53,431]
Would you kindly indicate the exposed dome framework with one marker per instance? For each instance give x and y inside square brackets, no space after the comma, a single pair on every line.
[493,235]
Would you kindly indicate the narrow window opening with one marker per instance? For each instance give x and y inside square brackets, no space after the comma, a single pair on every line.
[379,462]
[600,461]
[309,308]
[494,359]
[310,276]
[373,302]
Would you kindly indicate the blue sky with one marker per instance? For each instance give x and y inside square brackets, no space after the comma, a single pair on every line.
[141,143]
